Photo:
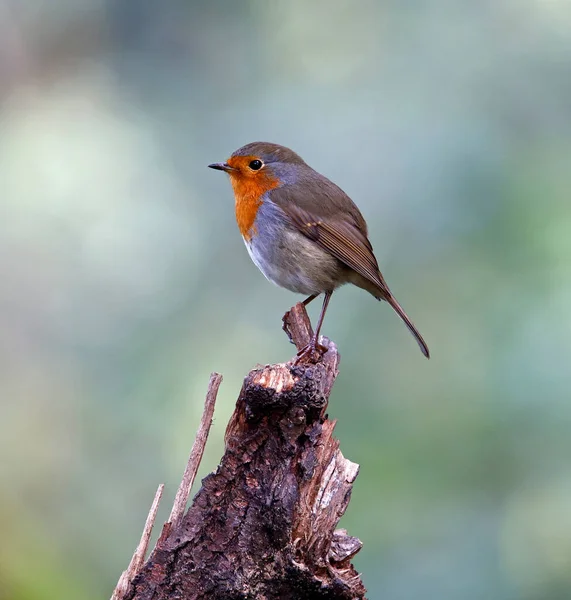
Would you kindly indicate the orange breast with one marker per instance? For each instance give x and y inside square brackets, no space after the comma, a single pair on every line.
[248,193]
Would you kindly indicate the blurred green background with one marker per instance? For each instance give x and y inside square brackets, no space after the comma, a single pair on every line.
[124,281]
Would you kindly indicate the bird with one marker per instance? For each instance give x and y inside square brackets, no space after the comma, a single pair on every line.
[302,231]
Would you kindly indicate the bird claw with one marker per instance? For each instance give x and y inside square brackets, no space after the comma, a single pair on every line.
[310,353]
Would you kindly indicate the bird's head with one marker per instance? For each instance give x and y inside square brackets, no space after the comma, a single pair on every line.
[260,166]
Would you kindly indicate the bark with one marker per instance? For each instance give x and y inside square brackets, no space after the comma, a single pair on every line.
[262,526]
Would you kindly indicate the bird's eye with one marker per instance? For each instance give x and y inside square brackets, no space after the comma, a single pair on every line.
[256,165]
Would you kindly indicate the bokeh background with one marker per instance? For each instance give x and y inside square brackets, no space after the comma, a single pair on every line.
[124,281]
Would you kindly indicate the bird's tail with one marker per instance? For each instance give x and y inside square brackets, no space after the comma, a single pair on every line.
[400,312]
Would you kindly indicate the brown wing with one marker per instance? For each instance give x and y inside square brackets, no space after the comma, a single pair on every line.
[325,214]
[343,232]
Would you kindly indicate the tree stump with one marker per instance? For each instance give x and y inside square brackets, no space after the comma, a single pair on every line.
[262,526]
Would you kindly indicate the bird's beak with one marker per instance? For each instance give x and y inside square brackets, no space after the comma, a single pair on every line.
[221,167]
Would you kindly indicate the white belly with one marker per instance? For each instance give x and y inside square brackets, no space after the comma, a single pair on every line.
[294,262]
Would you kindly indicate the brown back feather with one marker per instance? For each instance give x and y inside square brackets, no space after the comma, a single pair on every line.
[324,213]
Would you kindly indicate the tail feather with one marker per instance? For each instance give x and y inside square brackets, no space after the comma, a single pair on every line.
[400,312]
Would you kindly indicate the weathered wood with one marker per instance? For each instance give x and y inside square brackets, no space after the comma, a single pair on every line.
[197,451]
[262,526]
[138,558]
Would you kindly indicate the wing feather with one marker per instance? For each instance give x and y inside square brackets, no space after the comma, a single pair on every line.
[324,213]
[343,239]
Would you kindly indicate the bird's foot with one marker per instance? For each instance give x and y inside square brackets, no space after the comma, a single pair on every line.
[310,353]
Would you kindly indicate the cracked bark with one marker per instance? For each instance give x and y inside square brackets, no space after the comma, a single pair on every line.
[263,524]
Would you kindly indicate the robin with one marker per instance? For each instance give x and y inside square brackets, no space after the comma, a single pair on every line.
[302,231]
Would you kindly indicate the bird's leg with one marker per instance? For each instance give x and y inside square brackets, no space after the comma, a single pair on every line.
[285,319]
[315,339]
[314,348]
[309,299]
